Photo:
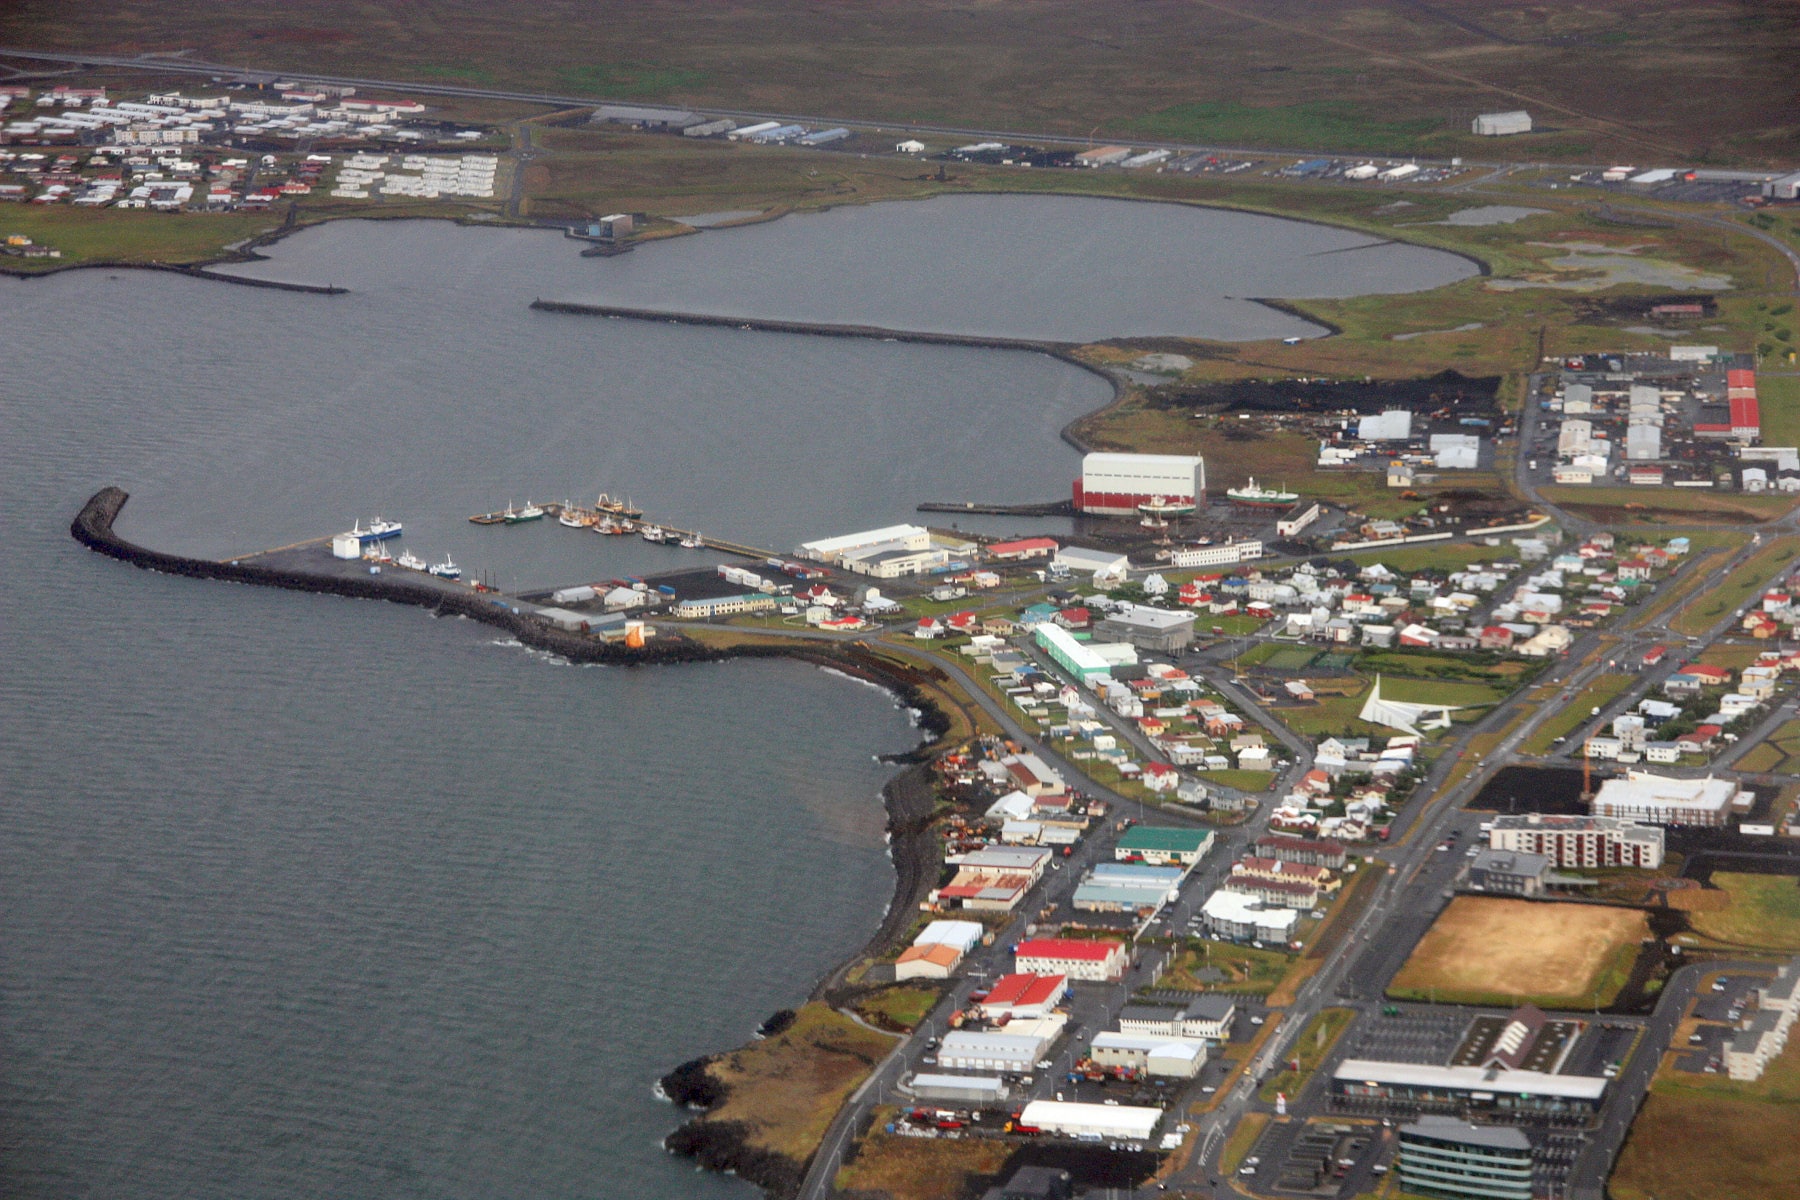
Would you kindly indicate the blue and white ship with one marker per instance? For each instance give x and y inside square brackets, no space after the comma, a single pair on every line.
[446,569]
[378,531]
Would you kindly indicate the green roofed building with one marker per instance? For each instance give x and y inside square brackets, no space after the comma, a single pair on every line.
[1163,846]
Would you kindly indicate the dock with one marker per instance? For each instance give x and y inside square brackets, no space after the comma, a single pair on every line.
[675,533]
[1050,508]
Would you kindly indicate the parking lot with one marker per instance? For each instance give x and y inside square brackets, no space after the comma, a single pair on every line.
[1416,1035]
[1314,1158]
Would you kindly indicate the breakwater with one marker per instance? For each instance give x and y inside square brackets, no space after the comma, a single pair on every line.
[1059,350]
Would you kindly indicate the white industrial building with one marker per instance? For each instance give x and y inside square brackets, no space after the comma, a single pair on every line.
[978,1090]
[1663,800]
[1150,1054]
[1108,569]
[1643,443]
[1115,484]
[1456,451]
[1095,1121]
[1501,124]
[1225,553]
[1394,425]
[893,537]
[982,1050]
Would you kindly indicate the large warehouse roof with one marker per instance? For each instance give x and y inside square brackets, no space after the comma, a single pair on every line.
[1471,1079]
[1061,1116]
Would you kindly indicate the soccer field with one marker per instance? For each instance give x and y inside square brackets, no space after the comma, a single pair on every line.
[1487,950]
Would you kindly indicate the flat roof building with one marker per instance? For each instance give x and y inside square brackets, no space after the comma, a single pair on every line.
[1095,1121]
[898,537]
[1149,1053]
[1208,1015]
[1075,657]
[981,1050]
[1508,872]
[1161,844]
[979,1090]
[1577,841]
[1160,629]
[1365,1084]
[1443,1156]
[1664,800]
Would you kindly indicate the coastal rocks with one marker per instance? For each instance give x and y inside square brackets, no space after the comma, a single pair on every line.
[724,1146]
[691,1085]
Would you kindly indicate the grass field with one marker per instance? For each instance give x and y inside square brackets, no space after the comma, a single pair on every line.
[1606,80]
[1340,699]
[1777,753]
[1578,710]
[1241,1139]
[897,1007]
[1486,950]
[90,235]
[1446,556]
[1710,606]
[1315,1043]
[1749,1151]
[1693,574]
[787,1088]
[1764,911]
[1667,506]
[911,1168]
[1248,971]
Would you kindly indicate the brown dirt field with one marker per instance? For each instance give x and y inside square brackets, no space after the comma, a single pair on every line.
[908,1168]
[1496,948]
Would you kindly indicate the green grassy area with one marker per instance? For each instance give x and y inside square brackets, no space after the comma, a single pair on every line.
[1317,125]
[1778,398]
[1748,579]
[1444,556]
[1243,781]
[1231,625]
[1238,1145]
[1248,971]
[1779,753]
[1626,506]
[1310,1050]
[1748,1151]
[1764,911]
[898,1007]
[1573,713]
[87,235]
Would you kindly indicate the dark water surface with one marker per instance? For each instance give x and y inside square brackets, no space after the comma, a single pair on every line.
[305,896]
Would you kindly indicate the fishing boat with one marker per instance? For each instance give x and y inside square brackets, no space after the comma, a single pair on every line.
[410,561]
[654,533]
[1251,496]
[377,553]
[446,569]
[1158,509]
[380,530]
[607,526]
[574,518]
[618,508]
[693,541]
[530,512]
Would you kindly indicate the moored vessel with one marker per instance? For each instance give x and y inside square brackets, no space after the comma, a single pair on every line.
[1251,496]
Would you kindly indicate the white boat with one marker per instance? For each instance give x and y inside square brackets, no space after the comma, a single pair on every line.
[378,530]
[446,569]
[693,541]
[654,533]
[410,561]
[572,519]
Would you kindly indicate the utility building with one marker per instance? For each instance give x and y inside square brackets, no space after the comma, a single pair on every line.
[1501,124]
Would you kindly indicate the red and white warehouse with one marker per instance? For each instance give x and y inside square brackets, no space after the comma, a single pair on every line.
[1086,961]
[1113,485]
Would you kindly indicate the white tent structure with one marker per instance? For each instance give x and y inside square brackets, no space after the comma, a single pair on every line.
[1406,717]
